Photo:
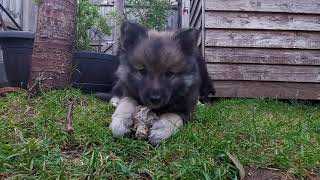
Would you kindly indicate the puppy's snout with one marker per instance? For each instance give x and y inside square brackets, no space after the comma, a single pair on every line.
[155,98]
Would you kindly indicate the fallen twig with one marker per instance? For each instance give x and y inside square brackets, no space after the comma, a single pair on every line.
[238,165]
[33,90]
[68,125]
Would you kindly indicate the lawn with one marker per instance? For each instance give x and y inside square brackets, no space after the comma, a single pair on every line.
[260,133]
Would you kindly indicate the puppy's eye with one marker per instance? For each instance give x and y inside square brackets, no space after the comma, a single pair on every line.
[169,74]
[142,71]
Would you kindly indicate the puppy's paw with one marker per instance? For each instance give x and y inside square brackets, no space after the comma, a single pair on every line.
[122,117]
[114,101]
[164,128]
[119,127]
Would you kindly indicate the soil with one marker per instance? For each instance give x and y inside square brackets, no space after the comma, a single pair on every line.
[72,152]
[144,176]
[266,174]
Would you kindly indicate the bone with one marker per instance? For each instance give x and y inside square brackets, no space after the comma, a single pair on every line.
[143,119]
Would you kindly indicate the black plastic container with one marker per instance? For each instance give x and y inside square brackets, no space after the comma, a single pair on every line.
[17,53]
[94,72]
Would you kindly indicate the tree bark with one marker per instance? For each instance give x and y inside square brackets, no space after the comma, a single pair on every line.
[53,48]
[119,6]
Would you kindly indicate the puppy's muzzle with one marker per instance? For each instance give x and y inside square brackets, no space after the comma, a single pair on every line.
[155,99]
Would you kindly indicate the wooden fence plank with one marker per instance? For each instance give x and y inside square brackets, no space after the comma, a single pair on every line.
[255,72]
[279,90]
[288,6]
[253,20]
[262,56]
[262,39]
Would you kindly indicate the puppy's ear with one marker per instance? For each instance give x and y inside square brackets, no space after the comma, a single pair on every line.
[131,34]
[187,39]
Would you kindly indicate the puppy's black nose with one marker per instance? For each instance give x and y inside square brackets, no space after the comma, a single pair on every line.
[155,98]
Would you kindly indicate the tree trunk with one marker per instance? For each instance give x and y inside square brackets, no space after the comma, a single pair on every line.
[53,48]
[119,6]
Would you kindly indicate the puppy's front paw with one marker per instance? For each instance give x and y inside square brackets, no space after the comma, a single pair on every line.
[164,128]
[122,117]
[114,101]
[119,127]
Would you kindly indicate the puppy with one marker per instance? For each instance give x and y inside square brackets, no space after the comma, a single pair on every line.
[161,70]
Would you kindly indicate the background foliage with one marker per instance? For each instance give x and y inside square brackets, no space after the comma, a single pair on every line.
[150,13]
[88,17]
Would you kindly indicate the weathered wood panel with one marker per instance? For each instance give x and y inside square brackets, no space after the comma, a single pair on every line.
[277,90]
[203,29]
[255,72]
[288,6]
[262,39]
[254,20]
[262,56]
[262,48]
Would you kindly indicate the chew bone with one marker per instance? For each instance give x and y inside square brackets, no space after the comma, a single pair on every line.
[143,119]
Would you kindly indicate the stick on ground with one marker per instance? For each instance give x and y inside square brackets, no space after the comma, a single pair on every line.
[35,88]
[68,126]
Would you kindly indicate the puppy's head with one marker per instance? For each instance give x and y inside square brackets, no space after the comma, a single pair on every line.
[157,65]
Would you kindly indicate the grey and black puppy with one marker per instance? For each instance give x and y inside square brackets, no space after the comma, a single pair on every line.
[161,70]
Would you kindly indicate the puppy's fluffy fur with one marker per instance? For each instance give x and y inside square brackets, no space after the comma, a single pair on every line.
[163,71]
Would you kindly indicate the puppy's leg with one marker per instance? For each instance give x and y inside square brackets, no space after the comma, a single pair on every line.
[122,117]
[117,93]
[163,128]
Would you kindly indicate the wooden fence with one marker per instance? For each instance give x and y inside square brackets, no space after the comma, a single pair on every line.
[261,48]
[23,11]
[102,42]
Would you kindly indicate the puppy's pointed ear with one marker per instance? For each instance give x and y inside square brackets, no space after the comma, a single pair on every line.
[131,34]
[187,39]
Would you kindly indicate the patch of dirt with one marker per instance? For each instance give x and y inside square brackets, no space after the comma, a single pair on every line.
[72,151]
[144,176]
[313,176]
[274,174]
[6,90]
[2,176]
[266,174]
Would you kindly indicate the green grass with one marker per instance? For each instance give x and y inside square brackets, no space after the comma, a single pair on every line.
[261,133]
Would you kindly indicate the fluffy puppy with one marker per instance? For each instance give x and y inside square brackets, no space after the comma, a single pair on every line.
[163,71]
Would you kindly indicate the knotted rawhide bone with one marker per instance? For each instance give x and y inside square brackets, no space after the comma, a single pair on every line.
[143,119]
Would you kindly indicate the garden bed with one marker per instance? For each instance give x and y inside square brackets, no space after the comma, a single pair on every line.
[269,135]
